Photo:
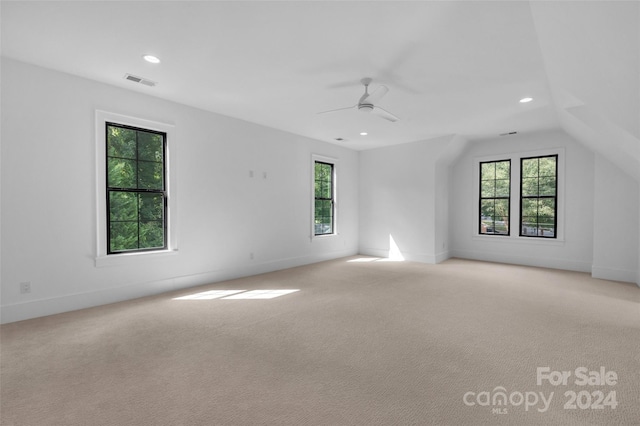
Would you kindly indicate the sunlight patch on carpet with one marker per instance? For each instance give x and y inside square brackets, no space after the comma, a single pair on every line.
[261,294]
[208,295]
[364,259]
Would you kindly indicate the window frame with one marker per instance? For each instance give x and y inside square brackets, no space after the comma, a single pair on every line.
[102,258]
[481,198]
[514,237]
[554,197]
[334,192]
[109,190]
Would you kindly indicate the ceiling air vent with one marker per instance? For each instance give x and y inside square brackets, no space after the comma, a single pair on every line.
[140,80]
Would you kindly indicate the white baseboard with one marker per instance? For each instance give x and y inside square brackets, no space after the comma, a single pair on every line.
[614,274]
[73,302]
[442,256]
[541,262]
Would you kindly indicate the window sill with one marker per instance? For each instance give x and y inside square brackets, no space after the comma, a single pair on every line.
[323,236]
[131,258]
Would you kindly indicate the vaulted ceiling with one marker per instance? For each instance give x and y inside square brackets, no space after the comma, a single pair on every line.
[451,67]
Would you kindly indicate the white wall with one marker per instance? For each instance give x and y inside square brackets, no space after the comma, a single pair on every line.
[49,203]
[398,199]
[574,252]
[615,245]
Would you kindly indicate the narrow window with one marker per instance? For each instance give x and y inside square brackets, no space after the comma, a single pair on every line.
[495,197]
[539,196]
[324,215]
[136,196]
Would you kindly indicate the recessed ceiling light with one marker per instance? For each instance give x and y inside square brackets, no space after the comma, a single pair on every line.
[363,133]
[525,100]
[152,59]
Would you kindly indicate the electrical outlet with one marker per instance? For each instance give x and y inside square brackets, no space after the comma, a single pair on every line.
[251,255]
[25,288]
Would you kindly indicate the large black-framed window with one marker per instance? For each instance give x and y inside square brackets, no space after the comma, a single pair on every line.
[495,197]
[324,212]
[539,196]
[135,189]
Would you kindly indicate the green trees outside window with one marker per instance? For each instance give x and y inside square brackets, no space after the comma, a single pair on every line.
[538,196]
[495,196]
[136,195]
[324,199]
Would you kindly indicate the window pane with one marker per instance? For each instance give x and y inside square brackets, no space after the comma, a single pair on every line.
[487,209]
[502,188]
[123,206]
[323,190]
[323,217]
[501,208]
[488,171]
[548,231]
[546,222]
[529,167]
[529,187]
[323,209]
[503,170]
[150,175]
[486,227]
[124,236]
[121,173]
[488,188]
[546,209]
[151,234]
[150,146]
[501,216]
[529,226]
[151,206]
[548,166]
[121,142]
[548,185]
[529,207]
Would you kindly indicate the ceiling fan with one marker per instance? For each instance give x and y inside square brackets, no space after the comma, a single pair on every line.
[367,102]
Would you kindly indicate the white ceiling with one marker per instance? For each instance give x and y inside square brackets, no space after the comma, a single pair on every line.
[451,67]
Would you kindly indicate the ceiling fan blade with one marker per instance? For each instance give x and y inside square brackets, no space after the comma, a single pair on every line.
[339,109]
[376,95]
[380,112]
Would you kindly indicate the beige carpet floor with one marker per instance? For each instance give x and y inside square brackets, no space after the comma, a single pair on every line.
[361,343]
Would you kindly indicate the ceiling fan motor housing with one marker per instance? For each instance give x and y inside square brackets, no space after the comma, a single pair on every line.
[365,107]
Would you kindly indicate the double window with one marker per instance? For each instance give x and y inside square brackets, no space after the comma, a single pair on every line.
[537,191]
[136,198]
[324,198]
